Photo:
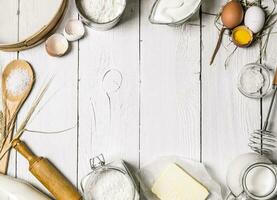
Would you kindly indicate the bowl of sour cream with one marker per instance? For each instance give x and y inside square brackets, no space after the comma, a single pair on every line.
[173,12]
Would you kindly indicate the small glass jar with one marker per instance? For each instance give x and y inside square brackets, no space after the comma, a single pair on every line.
[108,182]
[254,80]
[97,25]
[269,183]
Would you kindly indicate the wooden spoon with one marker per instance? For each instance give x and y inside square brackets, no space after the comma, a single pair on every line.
[13,103]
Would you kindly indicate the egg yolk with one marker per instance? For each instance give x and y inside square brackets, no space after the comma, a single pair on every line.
[242,36]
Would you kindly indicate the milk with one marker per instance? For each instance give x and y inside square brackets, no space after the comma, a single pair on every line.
[260,181]
[15,189]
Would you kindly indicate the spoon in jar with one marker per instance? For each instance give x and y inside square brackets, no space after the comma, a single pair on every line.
[17,82]
[231,16]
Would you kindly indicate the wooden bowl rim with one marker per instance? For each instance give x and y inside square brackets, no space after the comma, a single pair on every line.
[38,36]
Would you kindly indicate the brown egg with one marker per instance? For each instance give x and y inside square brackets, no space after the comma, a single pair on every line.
[232,14]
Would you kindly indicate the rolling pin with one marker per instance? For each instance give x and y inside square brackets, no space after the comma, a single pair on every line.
[48,174]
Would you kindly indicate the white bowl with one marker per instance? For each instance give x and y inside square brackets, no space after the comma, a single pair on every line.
[176,23]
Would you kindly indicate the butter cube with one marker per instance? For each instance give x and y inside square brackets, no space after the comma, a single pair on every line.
[176,184]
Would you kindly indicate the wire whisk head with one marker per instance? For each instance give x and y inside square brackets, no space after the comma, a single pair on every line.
[262,141]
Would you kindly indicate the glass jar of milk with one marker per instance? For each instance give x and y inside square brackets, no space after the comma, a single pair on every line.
[259,182]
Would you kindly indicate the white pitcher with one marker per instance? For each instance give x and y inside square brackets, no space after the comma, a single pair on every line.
[15,189]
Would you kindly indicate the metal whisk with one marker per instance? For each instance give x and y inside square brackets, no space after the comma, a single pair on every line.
[263,141]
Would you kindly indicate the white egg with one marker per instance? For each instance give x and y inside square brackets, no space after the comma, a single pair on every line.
[254,19]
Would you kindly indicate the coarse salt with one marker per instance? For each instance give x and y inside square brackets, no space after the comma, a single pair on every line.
[252,80]
[17,81]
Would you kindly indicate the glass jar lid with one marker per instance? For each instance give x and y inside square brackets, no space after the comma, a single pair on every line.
[107,182]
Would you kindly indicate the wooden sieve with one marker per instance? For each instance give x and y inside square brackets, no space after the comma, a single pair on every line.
[40,35]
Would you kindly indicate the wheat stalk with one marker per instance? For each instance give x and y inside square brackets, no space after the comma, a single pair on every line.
[2,129]
[23,125]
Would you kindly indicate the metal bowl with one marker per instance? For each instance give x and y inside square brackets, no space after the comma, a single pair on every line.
[96,25]
[178,23]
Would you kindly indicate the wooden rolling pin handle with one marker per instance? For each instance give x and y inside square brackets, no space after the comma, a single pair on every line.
[22,148]
[55,182]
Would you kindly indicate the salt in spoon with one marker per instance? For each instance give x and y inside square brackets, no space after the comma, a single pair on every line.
[12,103]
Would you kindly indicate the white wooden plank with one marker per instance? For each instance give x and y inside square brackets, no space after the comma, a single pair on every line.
[61,110]
[111,129]
[212,7]
[8,33]
[228,116]
[170,89]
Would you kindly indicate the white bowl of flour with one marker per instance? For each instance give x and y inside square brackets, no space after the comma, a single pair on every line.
[101,14]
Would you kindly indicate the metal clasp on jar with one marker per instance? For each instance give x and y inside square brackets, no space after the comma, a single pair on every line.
[97,162]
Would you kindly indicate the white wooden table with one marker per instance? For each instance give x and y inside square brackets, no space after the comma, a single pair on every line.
[170,101]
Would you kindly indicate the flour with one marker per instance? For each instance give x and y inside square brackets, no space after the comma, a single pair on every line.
[103,11]
[252,80]
[170,11]
[110,185]
[17,81]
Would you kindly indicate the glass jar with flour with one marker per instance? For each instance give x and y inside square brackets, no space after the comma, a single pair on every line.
[108,181]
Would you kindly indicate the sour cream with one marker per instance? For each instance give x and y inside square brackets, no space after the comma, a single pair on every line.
[172,11]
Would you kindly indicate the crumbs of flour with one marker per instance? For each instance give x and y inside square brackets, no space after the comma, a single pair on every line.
[103,11]
[252,80]
[111,185]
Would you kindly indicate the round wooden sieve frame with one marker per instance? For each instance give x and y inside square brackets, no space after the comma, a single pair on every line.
[40,35]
